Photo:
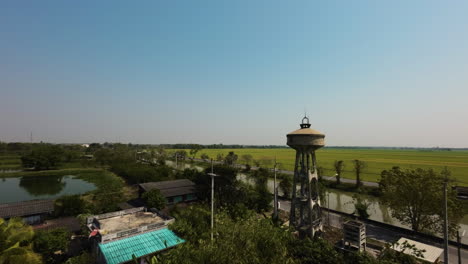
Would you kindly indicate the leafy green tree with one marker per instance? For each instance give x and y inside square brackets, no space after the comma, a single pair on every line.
[258,240]
[3,147]
[193,223]
[93,147]
[247,158]
[118,154]
[43,157]
[313,251]
[362,258]
[405,256]
[286,186]
[154,199]
[190,174]
[181,155]
[139,173]
[194,149]
[72,152]
[320,172]
[47,243]
[415,198]
[257,163]
[361,207]
[84,258]
[19,148]
[204,157]
[263,197]
[359,166]
[69,205]
[339,167]
[105,202]
[230,158]
[161,156]
[15,242]
[219,157]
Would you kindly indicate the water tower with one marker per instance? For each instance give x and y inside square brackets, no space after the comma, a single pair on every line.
[305,213]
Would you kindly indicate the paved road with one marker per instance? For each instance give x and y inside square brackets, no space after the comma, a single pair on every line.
[330,178]
[382,234]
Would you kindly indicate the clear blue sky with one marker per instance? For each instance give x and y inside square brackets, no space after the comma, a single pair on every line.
[372,73]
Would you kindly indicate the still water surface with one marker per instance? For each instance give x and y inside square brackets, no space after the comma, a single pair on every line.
[42,187]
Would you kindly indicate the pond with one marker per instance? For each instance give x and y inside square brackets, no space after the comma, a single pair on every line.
[41,187]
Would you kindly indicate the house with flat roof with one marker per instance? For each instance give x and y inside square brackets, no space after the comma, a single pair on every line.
[430,254]
[175,191]
[32,212]
[120,235]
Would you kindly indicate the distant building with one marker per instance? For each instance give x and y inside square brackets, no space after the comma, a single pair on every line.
[119,235]
[175,191]
[32,212]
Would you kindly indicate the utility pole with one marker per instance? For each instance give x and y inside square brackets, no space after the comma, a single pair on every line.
[275,193]
[459,245]
[328,207]
[446,258]
[212,198]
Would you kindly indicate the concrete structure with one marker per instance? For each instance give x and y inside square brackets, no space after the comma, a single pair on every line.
[175,191]
[305,213]
[354,235]
[430,253]
[32,212]
[120,234]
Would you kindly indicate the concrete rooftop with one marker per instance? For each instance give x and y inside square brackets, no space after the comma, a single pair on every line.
[128,221]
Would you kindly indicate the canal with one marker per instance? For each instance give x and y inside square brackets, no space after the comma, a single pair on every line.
[343,202]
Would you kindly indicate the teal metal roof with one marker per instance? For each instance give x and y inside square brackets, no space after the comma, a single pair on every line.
[120,251]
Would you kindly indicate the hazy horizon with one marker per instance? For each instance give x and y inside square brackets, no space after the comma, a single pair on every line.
[367,73]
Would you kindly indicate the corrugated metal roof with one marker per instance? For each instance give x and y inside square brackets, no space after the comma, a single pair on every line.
[431,253]
[121,251]
[171,188]
[178,191]
[18,209]
[168,184]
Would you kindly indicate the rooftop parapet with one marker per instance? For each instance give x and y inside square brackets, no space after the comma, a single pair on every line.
[125,223]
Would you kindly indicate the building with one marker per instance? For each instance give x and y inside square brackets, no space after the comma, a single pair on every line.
[430,253]
[32,212]
[120,235]
[175,191]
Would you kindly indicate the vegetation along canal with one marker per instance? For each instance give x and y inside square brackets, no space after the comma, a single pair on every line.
[344,202]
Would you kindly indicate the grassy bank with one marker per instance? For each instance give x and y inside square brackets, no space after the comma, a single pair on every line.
[376,159]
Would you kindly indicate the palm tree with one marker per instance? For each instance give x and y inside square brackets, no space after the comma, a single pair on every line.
[15,242]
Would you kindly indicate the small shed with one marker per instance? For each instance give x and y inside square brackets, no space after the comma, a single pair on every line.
[175,191]
[431,254]
[33,212]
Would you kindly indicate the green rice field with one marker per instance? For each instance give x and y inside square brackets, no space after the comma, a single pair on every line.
[376,159]
[9,162]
